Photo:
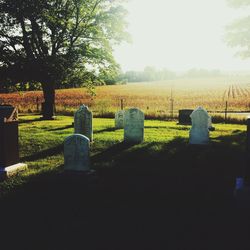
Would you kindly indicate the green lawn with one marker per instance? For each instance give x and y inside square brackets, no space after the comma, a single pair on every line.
[41,144]
[160,189]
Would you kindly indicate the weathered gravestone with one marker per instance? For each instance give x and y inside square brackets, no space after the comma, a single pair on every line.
[133,125]
[83,122]
[210,125]
[76,153]
[9,149]
[119,119]
[184,116]
[199,133]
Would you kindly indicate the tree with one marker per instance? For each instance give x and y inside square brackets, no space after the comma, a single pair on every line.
[238,33]
[55,41]
[150,73]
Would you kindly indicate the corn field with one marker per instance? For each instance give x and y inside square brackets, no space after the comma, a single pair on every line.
[154,98]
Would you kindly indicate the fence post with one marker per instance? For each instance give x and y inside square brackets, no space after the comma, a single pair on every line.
[121,104]
[226,112]
[171,104]
[37,104]
[172,108]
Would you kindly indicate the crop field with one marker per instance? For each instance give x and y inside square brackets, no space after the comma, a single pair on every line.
[154,98]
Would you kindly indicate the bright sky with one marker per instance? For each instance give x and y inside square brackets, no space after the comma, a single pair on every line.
[179,35]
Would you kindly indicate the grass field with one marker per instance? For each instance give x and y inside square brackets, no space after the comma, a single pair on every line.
[152,97]
[41,142]
[144,196]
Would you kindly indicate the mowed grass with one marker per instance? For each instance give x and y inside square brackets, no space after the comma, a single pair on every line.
[41,145]
[160,194]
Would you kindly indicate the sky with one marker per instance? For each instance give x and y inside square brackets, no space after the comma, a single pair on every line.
[179,35]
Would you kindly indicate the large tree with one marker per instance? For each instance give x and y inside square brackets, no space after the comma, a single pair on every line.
[51,41]
[238,32]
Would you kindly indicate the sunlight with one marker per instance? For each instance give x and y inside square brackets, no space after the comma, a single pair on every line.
[179,35]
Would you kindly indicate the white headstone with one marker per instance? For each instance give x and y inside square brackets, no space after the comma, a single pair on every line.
[209,124]
[199,133]
[119,119]
[76,153]
[133,125]
[83,122]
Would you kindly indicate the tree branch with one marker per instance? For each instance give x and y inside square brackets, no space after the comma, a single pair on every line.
[26,43]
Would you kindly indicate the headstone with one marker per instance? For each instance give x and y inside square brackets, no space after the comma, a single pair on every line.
[9,149]
[209,122]
[83,122]
[184,116]
[199,133]
[210,125]
[119,119]
[76,153]
[133,125]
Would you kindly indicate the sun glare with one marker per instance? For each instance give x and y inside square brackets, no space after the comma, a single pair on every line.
[179,35]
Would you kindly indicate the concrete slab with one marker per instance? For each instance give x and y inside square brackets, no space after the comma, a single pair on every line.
[12,170]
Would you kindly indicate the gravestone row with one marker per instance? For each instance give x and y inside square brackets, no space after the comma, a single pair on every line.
[76,147]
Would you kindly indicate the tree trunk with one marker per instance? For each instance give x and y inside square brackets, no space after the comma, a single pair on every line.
[49,98]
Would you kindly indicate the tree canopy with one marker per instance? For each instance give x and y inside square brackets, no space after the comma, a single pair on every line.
[238,32]
[238,3]
[57,41]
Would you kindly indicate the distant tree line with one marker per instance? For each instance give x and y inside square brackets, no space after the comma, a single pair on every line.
[110,76]
[152,74]
[148,74]
[203,73]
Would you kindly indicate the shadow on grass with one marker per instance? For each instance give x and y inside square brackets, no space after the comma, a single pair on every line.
[154,192]
[236,138]
[43,154]
[164,127]
[61,128]
[30,120]
[175,166]
[106,130]
[111,152]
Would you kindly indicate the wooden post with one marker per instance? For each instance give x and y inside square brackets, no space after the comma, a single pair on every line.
[171,104]
[121,104]
[37,104]
[226,112]
[172,108]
